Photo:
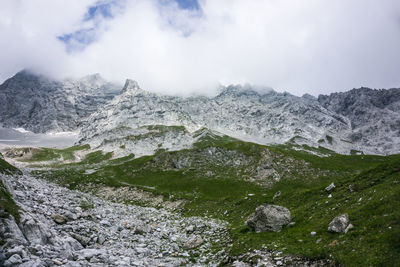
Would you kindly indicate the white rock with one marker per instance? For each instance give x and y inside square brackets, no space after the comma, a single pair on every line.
[313,234]
[330,187]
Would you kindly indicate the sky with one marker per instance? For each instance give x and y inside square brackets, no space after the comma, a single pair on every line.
[192,47]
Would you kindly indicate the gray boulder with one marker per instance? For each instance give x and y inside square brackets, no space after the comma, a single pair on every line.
[33,263]
[12,231]
[89,253]
[269,218]
[13,260]
[35,231]
[193,242]
[339,224]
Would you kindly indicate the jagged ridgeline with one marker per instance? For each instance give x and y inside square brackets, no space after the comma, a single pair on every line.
[218,158]
[358,121]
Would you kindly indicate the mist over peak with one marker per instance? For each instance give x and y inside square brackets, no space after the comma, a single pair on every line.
[178,48]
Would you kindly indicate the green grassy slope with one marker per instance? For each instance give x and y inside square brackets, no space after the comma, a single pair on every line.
[6,202]
[215,177]
[49,154]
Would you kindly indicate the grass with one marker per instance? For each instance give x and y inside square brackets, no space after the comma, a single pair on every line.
[372,242]
[7,168]
[96,157]
[6,202]
[50,154]
[367,188]
[333,161]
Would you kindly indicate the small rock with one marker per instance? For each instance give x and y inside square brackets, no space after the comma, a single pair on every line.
[105,223]
[16,250]
[90,253]
[193,243]
[313,234]
[330,187]
[81,239]
[59,219]
[101,240]
[348,228]
[33,263]
[351,188]
[330,196]
[140,230]
[13,260]
[339,224]
[78,209]
[70,215]
[190,229]
[57,262]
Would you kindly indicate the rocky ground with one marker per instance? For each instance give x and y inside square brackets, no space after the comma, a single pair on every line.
[62,227]
[69,228]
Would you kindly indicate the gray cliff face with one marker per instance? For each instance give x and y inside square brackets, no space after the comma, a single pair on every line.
[239,112]
[265,118]
[39,104]
[374,116]
[109,118]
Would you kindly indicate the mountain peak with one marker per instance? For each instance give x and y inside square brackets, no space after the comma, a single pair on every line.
[132,86]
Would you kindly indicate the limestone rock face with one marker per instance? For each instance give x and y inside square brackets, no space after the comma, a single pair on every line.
[373,114]
[114,117]
[40,104]
[264,117]
[269,218]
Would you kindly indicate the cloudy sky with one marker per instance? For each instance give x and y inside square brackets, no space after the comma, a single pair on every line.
[183,47]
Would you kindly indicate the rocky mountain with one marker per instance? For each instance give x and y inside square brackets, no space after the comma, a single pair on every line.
[243,113]
[40,104]
[133,120]
[374,116]
[237,111]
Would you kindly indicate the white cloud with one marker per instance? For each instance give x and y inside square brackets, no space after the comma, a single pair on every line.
[309,46]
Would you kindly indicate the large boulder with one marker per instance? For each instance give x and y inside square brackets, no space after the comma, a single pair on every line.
[339,224]
[269,218]
[35,231]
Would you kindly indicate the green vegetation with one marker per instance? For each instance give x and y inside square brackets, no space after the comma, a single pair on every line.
[7,204]
[371,199]
[96,157]
[7,168]
[215,179]
[329,139]
[333,161]
[49,154]
[86,205]
[154,131]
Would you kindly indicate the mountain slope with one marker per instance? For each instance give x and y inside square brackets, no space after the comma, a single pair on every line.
[226,178]
[239,112]
[40,104]
[374,116]
[359,121]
